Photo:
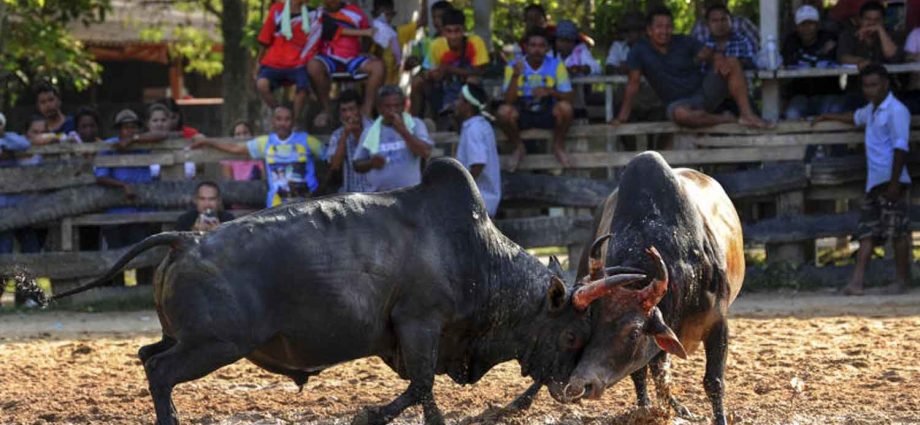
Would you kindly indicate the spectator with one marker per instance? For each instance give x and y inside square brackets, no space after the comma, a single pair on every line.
[343,144]
[631,28]
[575,54]
[912,50]
[423,93]
[538,94]
[671,64]
[209,210]
[177,123]
[421,49]
[288,157]
[48,104]
[341,52]
[865,44]
[128,126]
[168,124]
[739,24]
[283,41]
[477,150]
[88,125]
[393,146]
[454,59]
[242,169]
[723,39]
[886,207]
[10,143]
[389,40]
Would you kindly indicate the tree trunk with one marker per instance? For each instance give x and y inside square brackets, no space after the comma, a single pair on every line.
[482,17]
[237,82]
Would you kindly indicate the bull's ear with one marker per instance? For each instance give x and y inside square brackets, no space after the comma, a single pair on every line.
[554,265]
[556,296]
[664,335]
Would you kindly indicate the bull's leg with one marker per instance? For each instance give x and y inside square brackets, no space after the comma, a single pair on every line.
[641,384]
[182,363]
[661,373]
[525,400]
[716,345]
[158,347]
[418,342]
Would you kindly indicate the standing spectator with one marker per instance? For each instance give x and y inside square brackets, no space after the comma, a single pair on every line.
[88,125]
[10,143]
[128,126]
[393,147]
[575,54]
[288,157]
[723,39]
[631,28]
[477,150]
[48,104]
[538,94]
[422,88]
[341,52]
[671,64]
[209,210]
[740,24]
[865,44]
[912,50]
[454,59]
[177,123]
[886,208]
[282,60]
[168,124]
[343,144]
[242,169]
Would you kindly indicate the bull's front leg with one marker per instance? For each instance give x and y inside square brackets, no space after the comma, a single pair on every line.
[716,345]
[661,374]
[639,378]
[418,342]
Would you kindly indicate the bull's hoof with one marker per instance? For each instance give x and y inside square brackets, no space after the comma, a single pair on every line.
[367,416]
[437,419]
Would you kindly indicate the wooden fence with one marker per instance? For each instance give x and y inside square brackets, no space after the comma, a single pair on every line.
[761,171]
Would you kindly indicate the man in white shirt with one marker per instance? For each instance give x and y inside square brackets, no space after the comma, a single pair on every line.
[477,150]
[886,208]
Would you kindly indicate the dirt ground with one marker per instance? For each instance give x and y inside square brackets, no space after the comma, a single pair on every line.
[794,359]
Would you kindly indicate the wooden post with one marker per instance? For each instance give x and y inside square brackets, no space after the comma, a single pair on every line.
[67,241]
[796,253]
[482,18]
[769,26]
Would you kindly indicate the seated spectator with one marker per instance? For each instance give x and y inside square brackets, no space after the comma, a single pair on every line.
[631,28]
[283,40]
[865,44]
[575,54]
[129,127]
[423,92]
[724,40]
[162,121]
[538,94]
[885,212]
[454,59]
[389,40]
[209,210]
[671,64]
[242,169]
[739,24]
[477,150]
[535,19]
[288,157]
[912,51]
[48,104]
[88,126]
[343,144]
[341,52]
[420,49]
[393,147]
[10,143]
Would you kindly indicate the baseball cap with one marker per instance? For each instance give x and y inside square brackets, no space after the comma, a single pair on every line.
[806,13]
[125,116]
[567,30]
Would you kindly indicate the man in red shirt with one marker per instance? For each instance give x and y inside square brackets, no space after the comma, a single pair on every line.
[342,26]
[282,57]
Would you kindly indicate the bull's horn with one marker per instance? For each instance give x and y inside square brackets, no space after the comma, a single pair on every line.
[595,262]
[585,295]
[622,269]
[652,294]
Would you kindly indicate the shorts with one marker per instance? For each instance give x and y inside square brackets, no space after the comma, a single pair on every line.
[334,64]
[286,76]
[535,114]
[708,98]
[880,219]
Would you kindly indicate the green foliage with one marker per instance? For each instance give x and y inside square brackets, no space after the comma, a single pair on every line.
[35,45]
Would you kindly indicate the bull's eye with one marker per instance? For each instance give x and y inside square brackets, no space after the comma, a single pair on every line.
[569,340]
[634,335]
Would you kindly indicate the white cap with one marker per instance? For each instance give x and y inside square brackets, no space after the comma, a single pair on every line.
[806,13]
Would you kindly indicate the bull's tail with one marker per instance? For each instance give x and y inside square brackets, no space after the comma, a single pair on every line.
[167,238]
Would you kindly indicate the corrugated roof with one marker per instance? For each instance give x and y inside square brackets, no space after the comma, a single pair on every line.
[128,18]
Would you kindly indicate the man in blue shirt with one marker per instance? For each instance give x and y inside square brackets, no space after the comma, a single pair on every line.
[48,104]
[886,208]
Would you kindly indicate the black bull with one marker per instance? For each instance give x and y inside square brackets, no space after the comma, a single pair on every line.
[419,277]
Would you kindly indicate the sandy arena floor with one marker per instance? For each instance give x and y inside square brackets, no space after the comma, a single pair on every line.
[853,361]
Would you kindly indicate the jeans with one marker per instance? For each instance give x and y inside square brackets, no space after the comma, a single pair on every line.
[802,106]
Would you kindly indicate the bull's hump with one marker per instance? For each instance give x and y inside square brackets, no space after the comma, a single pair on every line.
[454,185]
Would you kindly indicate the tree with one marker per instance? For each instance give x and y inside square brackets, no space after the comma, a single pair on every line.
[35,44]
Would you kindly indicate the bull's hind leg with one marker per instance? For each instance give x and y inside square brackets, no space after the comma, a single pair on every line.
[716,345]
[184,362]
[661,373]
[148,351]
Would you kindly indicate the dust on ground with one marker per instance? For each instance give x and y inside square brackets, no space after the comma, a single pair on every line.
[794,358]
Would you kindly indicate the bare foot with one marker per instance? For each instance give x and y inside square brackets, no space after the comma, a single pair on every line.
[321,120]
[516,158]
[852,289]
[753,121]
[562,157]
[895,289]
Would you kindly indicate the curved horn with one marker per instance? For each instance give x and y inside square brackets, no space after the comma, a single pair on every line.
[595,262]
[653,293]
[622,269]
[585,295]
